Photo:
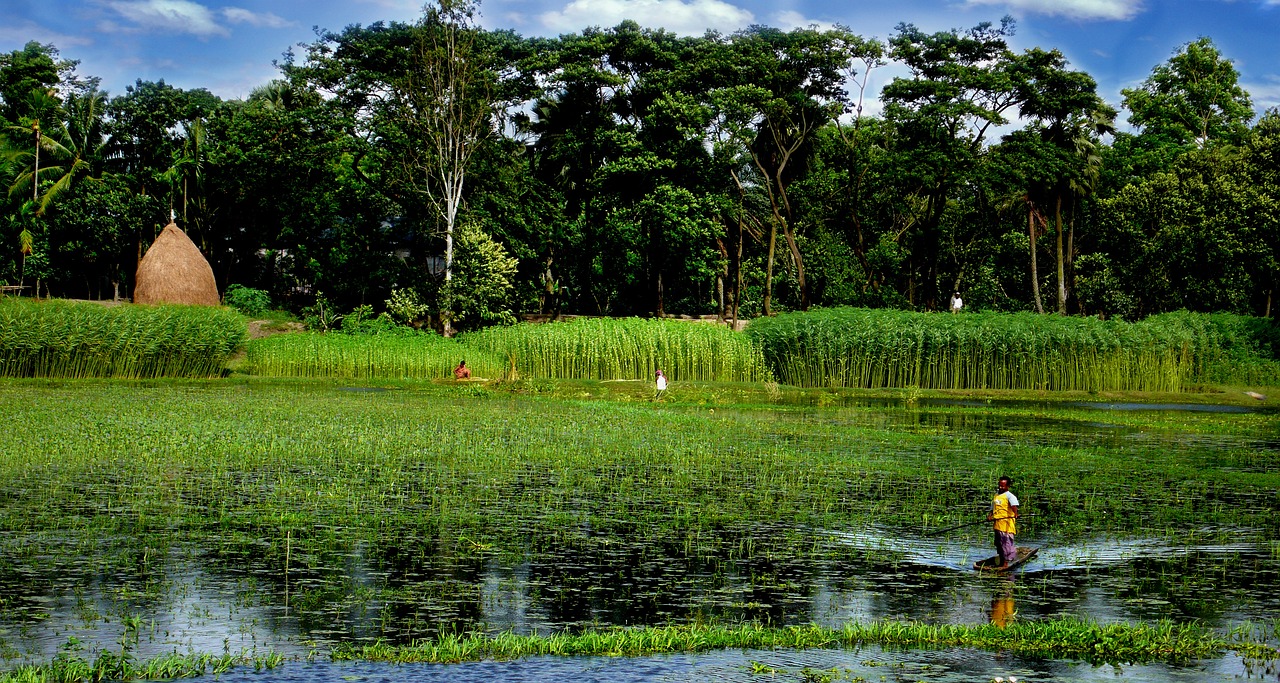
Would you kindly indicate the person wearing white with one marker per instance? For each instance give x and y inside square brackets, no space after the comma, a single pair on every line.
[956,303]
[661,384]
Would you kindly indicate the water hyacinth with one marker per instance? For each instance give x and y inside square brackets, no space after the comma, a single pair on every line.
[72,340]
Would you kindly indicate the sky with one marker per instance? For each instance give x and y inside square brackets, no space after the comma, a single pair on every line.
[229,46]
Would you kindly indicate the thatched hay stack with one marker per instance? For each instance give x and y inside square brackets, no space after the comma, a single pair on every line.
[174,272]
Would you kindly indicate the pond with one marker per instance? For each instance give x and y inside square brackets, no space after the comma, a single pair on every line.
[295,519]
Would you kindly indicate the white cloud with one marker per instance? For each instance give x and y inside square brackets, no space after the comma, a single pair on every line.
[178,16]
[20,34]
[238,15]
[1114,10]
[791,19]
[1265,93]
[690,18]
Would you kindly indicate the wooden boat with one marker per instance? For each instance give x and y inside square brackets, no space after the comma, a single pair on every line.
[991,564]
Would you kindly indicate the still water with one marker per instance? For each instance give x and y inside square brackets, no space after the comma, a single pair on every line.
[196,597]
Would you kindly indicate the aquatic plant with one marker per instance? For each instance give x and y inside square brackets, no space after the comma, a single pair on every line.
[75,340]
[1066,637]
[851,347]
[626,348]
[411,355]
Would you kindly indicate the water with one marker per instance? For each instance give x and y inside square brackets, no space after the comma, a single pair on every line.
[732,666]
[229,594]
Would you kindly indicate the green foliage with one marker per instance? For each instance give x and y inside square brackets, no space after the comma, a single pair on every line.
[63,339]
[626,348]
[1068,637]
[410,354]
[480,292]
[322,316]
[1194,98]
[247,300]
[850,347]
[407,308]
[362,320]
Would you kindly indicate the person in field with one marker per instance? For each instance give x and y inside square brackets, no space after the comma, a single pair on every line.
[1004,513]
[661,384]
[462,371]
[956,303]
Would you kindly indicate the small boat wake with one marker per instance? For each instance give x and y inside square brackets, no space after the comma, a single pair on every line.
[960,554]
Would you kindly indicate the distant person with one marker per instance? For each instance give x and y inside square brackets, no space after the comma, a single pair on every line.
[956,303]
[661,384]
[462,371]
[1004,512]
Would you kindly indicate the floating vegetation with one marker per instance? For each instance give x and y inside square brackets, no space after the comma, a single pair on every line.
[1068,637]
[76,340]
[123,666]
[851,347]
[295,514]
[628,348]
[361,356]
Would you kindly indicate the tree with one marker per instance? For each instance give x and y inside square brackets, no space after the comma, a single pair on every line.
[73,149]
[960,86]
[1193,99]
[1068,117]
[480,294]
[22,71]
[787,86]
[1262,159]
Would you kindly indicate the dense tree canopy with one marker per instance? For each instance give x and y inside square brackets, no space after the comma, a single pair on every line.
[626,170]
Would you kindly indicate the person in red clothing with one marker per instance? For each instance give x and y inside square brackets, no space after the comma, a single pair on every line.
[462,371]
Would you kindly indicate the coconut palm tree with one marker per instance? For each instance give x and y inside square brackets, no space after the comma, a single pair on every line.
[72,148]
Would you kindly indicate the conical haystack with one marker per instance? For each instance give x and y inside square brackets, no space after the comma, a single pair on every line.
[175,272]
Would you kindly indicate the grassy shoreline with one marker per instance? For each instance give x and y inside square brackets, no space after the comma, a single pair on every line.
[1065,638]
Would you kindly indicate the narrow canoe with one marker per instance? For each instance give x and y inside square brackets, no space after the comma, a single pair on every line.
[991,563]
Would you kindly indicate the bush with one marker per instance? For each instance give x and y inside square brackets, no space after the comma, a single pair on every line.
[247,300]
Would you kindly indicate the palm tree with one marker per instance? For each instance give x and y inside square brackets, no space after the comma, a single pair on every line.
[73,148]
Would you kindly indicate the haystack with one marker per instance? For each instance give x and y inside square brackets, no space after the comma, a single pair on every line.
[174,272]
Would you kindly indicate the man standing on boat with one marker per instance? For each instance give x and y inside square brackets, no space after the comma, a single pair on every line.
[1004,512]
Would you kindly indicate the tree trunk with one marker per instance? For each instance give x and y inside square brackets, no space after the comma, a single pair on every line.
[768,269]
[1062,283]
[1035,275]
[737,283]
[795,254]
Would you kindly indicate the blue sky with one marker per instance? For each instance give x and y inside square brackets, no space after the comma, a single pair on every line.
[228,46]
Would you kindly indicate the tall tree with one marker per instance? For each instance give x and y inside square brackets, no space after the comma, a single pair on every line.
[1069,116]
[959,88]
[788,85]
[1192,99]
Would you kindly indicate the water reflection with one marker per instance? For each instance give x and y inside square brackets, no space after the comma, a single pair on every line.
[191,600]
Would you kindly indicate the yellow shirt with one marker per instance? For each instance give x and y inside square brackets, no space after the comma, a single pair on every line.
[1002,514]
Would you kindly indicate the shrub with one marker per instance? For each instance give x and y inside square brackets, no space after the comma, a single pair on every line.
[247,300]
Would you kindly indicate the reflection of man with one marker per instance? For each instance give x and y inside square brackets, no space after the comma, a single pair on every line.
[956,303]
[1002,609]
[1004,512]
